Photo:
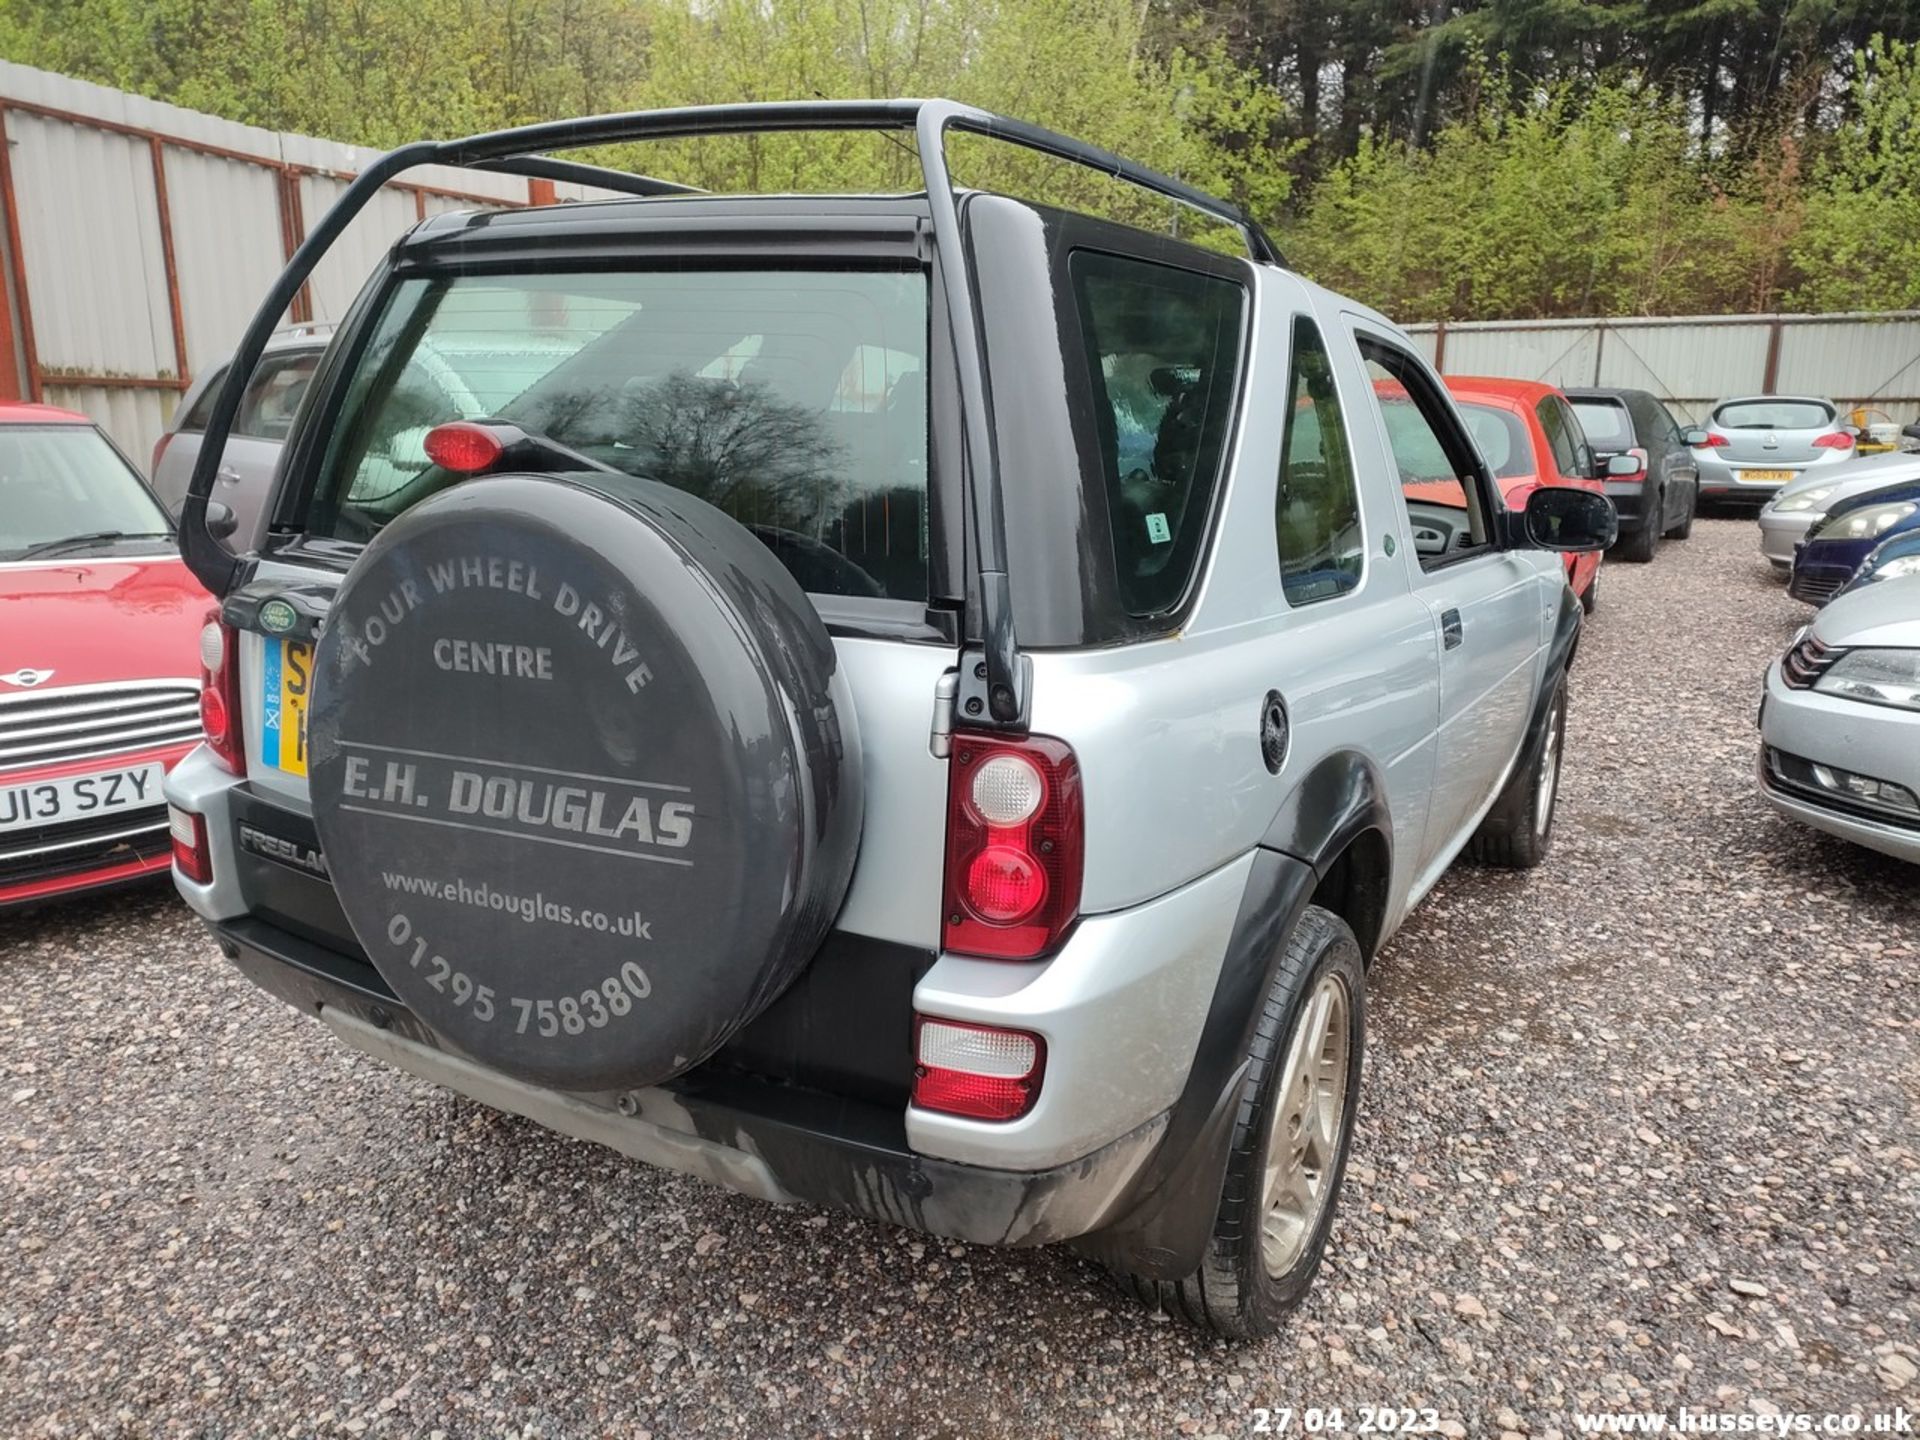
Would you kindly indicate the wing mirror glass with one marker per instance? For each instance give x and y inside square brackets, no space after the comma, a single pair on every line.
[1559,517]
[1693,437]
[1622,467]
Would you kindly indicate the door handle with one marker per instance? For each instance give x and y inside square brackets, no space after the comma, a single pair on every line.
[1451,632]
[228,474]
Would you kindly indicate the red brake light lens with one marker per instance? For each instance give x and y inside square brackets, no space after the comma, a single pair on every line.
[1838,440]
[463,447]
[980,1071]
[220,693]
[1715,440]
[1015,844]
[188,832]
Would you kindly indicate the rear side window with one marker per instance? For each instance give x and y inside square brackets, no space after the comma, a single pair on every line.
[795,401]
[1317,512]
[1774,415]
[1607,424]
[1569,445]
[202,411]
[1163,351]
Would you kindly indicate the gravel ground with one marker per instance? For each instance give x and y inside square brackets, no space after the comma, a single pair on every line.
[1638,1131]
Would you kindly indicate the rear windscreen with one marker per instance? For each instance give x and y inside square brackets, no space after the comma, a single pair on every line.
[1774,415]
[1607,424]
[795,401]
[1163,351]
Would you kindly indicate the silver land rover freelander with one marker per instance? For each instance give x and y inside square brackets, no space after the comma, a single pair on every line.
[925,704]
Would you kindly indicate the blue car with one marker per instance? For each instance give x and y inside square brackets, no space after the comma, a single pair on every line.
[1827,559]
[1889,560]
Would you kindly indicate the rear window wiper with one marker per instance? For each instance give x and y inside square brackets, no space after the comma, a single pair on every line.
[96,537]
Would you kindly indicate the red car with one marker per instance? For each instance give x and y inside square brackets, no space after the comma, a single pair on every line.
[1530,436]
[99,660]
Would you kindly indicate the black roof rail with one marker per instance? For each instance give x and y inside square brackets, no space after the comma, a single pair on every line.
[993,691]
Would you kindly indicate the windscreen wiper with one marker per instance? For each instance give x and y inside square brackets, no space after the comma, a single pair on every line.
[95,537]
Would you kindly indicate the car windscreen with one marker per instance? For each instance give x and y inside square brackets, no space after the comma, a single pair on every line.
[1502,438]
[1608,426]
[1774,415]
[58,482]
[793,400]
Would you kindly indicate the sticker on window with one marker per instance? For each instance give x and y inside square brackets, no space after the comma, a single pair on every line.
[1158,530]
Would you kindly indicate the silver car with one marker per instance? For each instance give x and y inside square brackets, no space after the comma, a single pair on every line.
[706,753]
[1798,507]
[259,429]
[1758,445]
[1840,726]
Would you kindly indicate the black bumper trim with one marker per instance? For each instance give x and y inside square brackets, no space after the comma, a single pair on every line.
[829,1149]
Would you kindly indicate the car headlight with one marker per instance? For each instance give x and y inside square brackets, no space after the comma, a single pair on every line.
[1806,500]
[1879,677]
[1864,524]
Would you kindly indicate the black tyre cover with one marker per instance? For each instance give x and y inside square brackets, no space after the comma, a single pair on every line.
[585,774]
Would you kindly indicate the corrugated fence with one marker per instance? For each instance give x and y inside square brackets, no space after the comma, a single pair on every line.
[1869,359]
[139,237]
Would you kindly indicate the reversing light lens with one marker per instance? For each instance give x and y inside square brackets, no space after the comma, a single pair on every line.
[1007,790]
[463,447]
[213,647]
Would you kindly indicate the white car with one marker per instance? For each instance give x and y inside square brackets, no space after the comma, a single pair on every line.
[1840,726]
[1789,515]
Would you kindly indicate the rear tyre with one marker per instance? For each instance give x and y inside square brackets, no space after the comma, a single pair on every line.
[1518,830]
[1638,547]
[1685,527]
[1290,1142]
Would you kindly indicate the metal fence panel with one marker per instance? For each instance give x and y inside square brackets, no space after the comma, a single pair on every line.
[1863,360]
[221,280]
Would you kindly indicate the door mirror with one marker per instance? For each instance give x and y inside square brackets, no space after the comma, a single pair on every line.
[1559,517]
[1693,437]
[1622,467]
[221,520]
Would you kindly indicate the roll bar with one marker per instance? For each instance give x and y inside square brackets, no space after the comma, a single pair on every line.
[995,691]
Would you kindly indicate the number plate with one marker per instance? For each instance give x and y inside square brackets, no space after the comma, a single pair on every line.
[1767,477]
[79,797]
[286,684]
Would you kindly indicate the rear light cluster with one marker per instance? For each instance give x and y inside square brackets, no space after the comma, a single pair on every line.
[220,692]
[190,853]
[1838,440]
[1715,441]
[978,1071]
[1014,846]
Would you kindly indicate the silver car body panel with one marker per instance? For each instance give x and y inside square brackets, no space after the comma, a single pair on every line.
[1879,741]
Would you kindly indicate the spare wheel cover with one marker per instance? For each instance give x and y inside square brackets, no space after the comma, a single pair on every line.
[584,774]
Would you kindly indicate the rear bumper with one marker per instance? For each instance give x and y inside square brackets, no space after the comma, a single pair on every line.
[1629,503]
[775,1142]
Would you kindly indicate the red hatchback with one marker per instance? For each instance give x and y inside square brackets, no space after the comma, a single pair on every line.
[1530,437]
[99,660]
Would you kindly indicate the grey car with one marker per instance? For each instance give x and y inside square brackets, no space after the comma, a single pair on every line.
[260,428]
[1840,726]
[705,753]
[1798,507]
[1758,445]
